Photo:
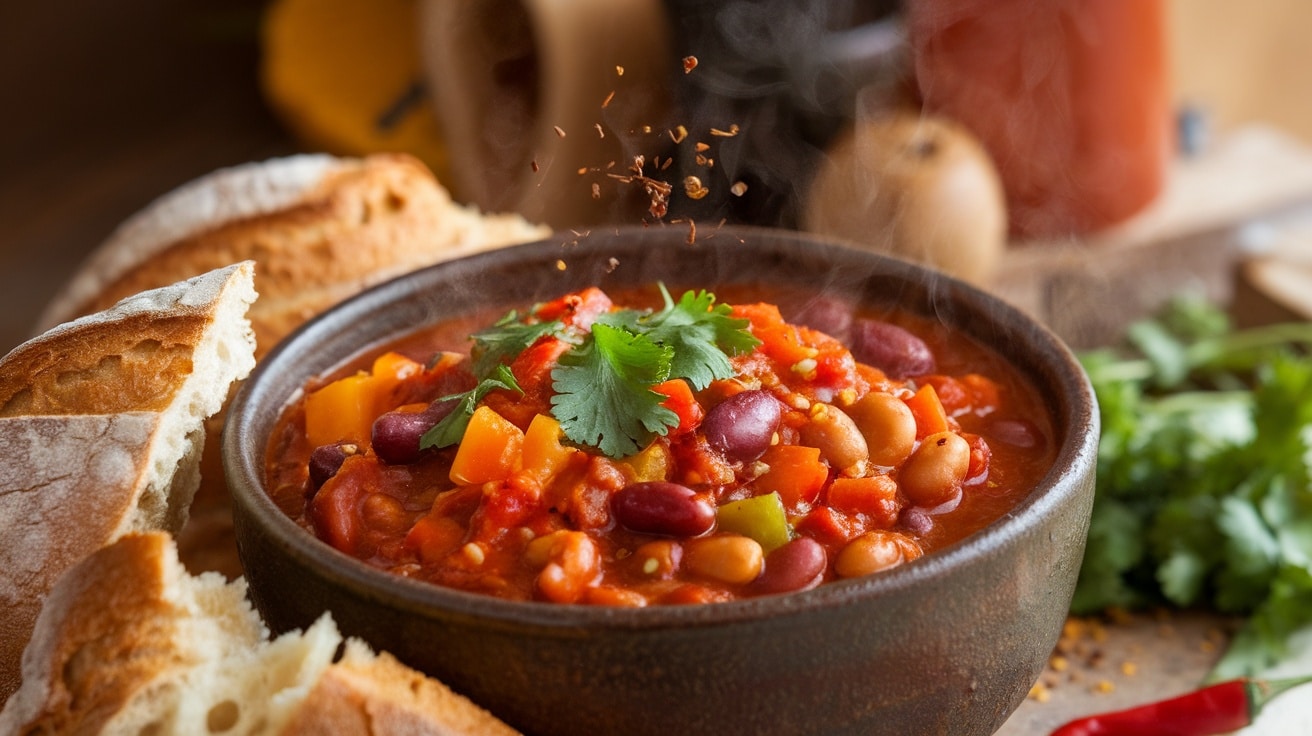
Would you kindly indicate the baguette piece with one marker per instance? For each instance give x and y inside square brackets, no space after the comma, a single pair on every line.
[101,431]
[130,643]
[320,227]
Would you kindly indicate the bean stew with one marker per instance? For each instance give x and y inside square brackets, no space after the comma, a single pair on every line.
[642,448]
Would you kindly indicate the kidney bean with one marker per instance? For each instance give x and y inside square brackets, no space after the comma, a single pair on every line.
[831,431]
[396,434]
[743,425]
[326,460]
[875,551]
[1016,432]
[797,565]
[888,426]
[891,349]
[934,472]
[664,508]
[729,558]
[830,316]
[916,520]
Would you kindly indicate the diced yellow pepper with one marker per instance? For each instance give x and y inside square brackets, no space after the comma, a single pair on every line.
[490,450]
[342,411]
[544,455]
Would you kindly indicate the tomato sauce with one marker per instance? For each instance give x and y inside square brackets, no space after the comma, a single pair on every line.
[832,444]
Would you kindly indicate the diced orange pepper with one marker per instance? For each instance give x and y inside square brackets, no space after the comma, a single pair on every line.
[796,473]
[875,496]
[930,416]
[986,393]
[679,399]
[342,411]
[434,537]
[543,453]
[490,450]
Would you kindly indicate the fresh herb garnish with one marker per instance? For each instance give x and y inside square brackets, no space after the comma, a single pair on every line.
[604,395]
[505,339]
[1203,495]
[603,390]
[451,427]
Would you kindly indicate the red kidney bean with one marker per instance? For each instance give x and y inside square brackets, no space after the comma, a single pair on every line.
[326,460]
[396,434]
[828,315]
[916,520]
[743,425]
[892,349]
[660,507]
[797,565]
[1016,432]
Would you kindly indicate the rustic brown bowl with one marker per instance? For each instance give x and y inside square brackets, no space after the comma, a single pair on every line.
[950,643]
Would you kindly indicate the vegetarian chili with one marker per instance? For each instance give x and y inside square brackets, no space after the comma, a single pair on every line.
[663,451]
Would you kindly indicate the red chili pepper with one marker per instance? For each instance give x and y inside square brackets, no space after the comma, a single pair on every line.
[1219,708]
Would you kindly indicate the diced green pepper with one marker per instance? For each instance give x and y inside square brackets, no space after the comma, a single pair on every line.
[760,517]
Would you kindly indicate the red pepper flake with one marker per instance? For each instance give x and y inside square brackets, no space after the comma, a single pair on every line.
[738,189]
[731,132]
[561,265]
[678,134]
[689,63]
[559,131]
[600,133]
[692,232]
[703,147]
[612,263]
[668,162]
[657,191]
[619,70]
[596,190]
[582,170]
[534,165]
[705,161]
[606,102]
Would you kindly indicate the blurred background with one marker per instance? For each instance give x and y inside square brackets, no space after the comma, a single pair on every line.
[109,105]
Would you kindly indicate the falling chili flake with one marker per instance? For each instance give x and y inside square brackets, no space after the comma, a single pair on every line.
[667,163]
[678,134]
[596,190]
[559,131]
[731,132]
[600,133]
[534,165]
[692,232]
[582,170]
[738,189]
[693,187]
[609,97]
[689,63]
[612,263]
[561,265]
[704,160]
[619,70]
[703,147]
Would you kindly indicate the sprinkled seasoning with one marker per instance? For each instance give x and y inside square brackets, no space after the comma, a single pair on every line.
[689,63]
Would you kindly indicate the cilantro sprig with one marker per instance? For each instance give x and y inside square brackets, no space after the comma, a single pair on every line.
[604,395]
[1203,491]
[493,347]
[604,383]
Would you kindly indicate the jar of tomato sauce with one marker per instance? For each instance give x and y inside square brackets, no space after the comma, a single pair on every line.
[1070,97]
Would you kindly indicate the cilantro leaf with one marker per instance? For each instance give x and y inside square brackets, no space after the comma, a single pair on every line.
[451,428]
[702,334]
[603,391]
[506,339]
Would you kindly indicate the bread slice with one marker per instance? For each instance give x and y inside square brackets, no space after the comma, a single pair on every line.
[129,643]
[101,430]
[320,228]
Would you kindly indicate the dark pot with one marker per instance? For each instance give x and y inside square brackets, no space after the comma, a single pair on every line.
[950,643]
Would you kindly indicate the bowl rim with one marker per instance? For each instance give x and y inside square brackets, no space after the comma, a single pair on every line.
[244,468]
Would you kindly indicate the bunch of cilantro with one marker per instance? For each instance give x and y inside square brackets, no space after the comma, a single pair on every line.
[603,385]
[1203,497]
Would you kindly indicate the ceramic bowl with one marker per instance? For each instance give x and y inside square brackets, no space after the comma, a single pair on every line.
[949,643]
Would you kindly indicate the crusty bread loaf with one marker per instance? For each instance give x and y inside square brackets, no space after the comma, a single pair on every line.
[320,228]
[129,643]
[101,430]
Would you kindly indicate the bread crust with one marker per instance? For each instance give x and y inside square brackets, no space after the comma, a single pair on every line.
[101,431]
[321,229]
